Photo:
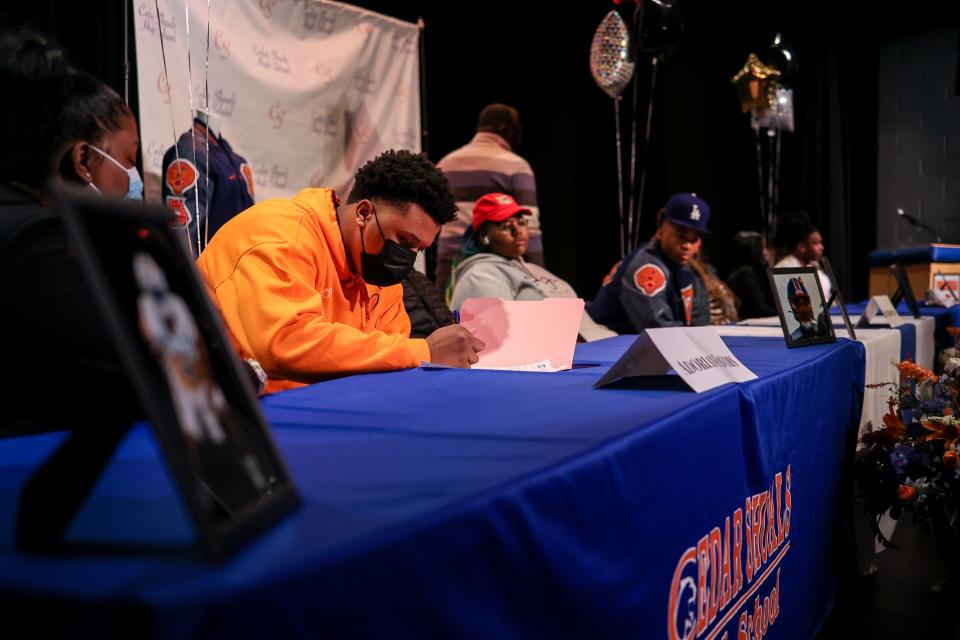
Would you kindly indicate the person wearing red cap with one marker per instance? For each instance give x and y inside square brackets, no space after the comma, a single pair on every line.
[492,264]
[654,286]
[488,163]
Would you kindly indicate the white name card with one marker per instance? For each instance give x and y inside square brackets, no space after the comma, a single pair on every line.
[883,307]
[697,354]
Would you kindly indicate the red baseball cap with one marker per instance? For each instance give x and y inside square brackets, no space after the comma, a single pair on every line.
[496,207]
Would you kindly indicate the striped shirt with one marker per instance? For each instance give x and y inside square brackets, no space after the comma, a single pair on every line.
[487,165]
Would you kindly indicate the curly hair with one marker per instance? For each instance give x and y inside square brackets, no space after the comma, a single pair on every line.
[403,178]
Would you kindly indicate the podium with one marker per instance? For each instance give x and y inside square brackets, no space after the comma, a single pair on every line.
[922,264]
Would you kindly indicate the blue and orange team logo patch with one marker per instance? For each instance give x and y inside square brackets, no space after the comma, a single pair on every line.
[687,294]
[181,176]
[180,211]
[247,172]
[650,279]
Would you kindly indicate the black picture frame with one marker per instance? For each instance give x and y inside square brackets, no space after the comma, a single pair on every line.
[204,414]
[904,290]
[793,333]
[837,296]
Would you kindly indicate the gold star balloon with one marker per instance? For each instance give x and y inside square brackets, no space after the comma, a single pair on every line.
[610,61]
[756,85]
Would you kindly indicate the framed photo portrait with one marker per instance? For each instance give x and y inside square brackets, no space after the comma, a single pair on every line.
[804,318]
[194,390]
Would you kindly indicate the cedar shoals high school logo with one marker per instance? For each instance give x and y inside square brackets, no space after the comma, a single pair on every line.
[726,585]
[650,279]
[181,176]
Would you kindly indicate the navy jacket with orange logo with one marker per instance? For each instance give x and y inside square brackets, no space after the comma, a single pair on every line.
[646,291]
[185,182]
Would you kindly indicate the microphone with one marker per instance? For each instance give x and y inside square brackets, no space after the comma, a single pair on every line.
[913,222]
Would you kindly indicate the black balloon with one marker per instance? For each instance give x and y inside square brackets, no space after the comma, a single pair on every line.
[658,25]
[783,58]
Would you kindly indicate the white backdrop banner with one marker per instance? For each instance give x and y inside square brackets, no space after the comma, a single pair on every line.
[306,91]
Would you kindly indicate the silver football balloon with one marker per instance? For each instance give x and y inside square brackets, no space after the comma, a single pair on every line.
[610,61]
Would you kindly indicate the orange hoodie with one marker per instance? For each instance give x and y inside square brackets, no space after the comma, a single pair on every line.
[278,273]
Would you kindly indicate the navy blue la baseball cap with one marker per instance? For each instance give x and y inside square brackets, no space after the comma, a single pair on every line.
[796,287]
[687,210]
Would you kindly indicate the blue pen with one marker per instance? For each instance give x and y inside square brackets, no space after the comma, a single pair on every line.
[456,317]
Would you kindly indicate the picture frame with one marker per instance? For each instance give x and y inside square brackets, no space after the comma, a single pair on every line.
[804,317]
[904,290]
[838,297]
[195,392]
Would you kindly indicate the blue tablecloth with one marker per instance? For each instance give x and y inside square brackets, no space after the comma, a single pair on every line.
[487,504]
[916,254]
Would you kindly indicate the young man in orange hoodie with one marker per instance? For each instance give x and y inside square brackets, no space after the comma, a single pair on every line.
[309,287]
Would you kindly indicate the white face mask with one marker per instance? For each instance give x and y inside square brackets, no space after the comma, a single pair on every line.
[134,184]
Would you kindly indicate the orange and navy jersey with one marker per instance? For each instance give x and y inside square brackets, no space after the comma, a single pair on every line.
[647,292]
[279,274]
[202,202]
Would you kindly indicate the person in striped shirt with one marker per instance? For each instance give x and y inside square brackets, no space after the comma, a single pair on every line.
[488,164]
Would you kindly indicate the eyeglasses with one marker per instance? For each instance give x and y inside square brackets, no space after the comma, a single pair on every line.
[511,224]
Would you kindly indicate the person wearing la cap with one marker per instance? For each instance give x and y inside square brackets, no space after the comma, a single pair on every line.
[802,309]
[654,285]
[491,263]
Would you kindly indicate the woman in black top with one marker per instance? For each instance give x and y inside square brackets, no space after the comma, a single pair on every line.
[748,280]
[59,368]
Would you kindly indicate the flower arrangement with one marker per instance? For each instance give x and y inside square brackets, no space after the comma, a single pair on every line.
[950,357]
[912,463]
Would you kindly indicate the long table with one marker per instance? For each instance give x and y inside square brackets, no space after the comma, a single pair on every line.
[486,504]
[943,318]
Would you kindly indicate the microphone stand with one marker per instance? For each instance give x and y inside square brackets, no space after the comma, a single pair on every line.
[913,222]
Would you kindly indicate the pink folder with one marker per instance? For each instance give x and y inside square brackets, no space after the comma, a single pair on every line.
[522,332]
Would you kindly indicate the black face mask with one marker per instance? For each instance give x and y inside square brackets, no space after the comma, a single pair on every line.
[388,267]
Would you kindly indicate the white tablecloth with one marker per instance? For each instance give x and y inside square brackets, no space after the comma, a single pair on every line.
[882,348]
[925,327]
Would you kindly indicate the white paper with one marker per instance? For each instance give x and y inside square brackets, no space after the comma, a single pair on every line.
[697,354]
[543,365]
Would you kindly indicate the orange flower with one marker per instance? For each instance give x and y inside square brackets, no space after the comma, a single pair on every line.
[942,428]
[906,493]
[950,458]
[893,430]
[910,370]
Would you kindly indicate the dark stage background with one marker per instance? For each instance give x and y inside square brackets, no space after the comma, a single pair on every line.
[535,57]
